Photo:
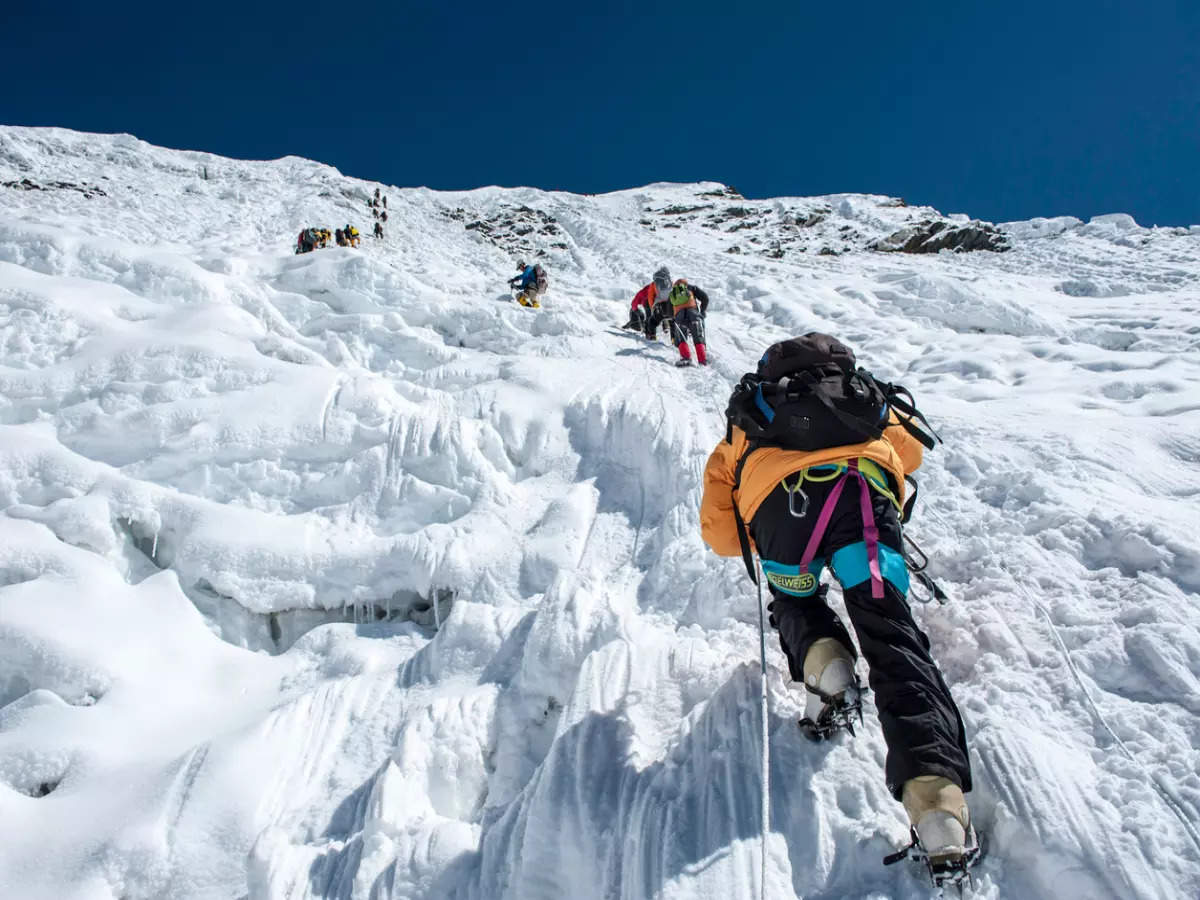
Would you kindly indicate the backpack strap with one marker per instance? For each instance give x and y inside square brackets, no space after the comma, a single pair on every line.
[911,502]
[906,411]
[742,530]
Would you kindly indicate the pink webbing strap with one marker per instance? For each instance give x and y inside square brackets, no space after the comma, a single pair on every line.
[870,530]
[814,540]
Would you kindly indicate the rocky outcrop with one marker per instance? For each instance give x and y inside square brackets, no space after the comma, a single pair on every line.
[933,236]
[88,191]
[518,230]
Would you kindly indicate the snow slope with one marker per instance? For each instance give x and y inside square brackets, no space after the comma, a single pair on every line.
[242,489]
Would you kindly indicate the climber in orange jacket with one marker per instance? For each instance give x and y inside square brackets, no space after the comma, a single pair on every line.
[838,502]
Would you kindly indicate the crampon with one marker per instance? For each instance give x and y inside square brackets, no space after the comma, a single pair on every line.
[943,873]
[839,713]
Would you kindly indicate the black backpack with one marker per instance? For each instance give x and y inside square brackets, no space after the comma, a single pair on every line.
[809,394]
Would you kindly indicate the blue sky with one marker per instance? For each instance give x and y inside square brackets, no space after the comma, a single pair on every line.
[1003,110]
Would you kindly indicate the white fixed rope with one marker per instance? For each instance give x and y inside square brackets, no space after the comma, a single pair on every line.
[764,710]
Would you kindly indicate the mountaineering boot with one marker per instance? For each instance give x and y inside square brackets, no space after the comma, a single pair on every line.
[942,835]
[701,354]
[834,692]
[938,812]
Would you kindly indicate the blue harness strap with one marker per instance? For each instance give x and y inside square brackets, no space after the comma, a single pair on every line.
[851,566]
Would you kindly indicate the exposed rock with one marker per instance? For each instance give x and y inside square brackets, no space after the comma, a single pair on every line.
[933,236]
[725,193]
[514,229]
[680,210]
[88,191]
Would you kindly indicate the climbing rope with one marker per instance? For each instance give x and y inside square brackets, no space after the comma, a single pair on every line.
[1160,788]
[764,709]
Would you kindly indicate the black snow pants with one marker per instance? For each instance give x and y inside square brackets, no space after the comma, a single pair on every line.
[921,723]
[662,312]
[690,322]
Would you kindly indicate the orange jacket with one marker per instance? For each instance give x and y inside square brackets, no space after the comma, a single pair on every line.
[647,297]
[897,451]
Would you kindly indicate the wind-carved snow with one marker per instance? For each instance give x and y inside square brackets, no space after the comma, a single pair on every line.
[242,488]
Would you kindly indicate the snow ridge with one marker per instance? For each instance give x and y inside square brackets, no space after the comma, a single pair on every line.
[241,487]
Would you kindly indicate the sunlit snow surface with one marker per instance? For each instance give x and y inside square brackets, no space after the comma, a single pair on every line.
[231,478]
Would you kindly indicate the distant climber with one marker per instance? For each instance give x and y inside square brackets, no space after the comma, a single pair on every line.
[311,239]
[682,306]
[645,300]
[689,306]
[378,230]
[383,216]
[532,284]
[339,237]
[352,236]
[385,201]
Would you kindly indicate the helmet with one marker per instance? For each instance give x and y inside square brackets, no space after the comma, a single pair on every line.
[662,280]
[520,264]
